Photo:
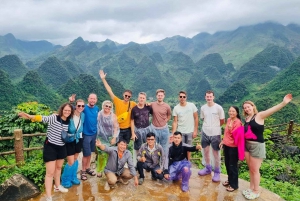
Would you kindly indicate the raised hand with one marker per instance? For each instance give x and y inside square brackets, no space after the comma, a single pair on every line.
[287,98]
[102,74]
[72,98]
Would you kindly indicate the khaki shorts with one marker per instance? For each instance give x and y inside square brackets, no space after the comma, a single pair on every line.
[256,149]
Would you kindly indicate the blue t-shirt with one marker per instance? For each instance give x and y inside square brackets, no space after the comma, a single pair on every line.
[90,120]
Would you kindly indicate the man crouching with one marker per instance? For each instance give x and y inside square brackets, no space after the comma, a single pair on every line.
[176,164]
[114,169]
[150,157]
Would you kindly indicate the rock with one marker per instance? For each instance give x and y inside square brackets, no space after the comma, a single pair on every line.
[291,150]
[18,187]
[283,177]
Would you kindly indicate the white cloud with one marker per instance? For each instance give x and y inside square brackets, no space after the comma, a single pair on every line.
[60,22]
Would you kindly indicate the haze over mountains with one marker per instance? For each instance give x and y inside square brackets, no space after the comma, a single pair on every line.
[244,63]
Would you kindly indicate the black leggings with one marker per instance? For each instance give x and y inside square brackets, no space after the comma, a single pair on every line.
[231,163]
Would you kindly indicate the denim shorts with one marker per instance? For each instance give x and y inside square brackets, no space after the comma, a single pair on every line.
[88,144]
[214,141]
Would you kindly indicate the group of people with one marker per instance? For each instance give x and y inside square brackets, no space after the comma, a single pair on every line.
[109,133]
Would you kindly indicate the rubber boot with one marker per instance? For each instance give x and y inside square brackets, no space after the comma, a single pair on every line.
[205,171]
[186,174]
[216,177]
[66,176]
[74,178]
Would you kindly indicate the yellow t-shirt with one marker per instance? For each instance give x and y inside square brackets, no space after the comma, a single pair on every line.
[121,107]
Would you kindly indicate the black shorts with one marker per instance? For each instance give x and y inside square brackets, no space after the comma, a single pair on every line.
[52,152]
[71,148]
[78,146]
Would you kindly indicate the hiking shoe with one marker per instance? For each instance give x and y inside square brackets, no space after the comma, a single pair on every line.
[205,171]
[106,186]
[141,181]
[122,181]
[60,189]
[216,177]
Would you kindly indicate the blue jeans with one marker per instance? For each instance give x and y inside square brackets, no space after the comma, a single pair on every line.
[162,137]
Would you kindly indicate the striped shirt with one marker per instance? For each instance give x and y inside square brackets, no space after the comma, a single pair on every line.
[54,128]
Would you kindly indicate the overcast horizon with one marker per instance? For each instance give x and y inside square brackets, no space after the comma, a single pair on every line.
[136,21]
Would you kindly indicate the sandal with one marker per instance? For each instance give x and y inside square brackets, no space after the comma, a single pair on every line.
[90,172]
[225,183]
[83,175]
[252,196]
[230,189]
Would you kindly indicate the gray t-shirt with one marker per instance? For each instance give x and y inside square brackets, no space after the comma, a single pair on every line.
[185,117]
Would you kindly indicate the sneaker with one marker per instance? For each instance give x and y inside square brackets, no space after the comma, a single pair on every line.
[106,186]
[122,181]
[141,181]
[153,178]
[247,191]
[252,196]
[48,198]
[60,189]
[205,171]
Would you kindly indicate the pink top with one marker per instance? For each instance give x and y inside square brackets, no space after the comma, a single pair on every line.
[240,136]
[228,139]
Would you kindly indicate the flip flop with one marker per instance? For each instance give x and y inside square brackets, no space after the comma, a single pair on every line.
[225,183]
[230,189]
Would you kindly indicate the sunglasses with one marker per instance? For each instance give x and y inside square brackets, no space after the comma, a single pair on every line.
[80,106]
[127,96]
[182,96]
[108,106]
[151,139]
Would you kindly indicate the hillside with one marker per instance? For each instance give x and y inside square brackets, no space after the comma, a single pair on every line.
[13,66]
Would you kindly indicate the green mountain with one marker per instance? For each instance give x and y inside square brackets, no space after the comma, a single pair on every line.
[35,90]
[26,50]
[265,65]
[13,66]
[9,94]
[56,73]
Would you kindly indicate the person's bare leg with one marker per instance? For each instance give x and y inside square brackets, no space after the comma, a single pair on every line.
[50,169]
[57,173]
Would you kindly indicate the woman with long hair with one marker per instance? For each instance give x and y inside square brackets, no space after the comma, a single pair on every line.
[230,149]
[54,151]
[107,131]
[69,176]
[255,150]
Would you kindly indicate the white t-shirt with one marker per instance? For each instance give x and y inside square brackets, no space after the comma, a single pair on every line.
[185,117]
[76,121]
[212,116]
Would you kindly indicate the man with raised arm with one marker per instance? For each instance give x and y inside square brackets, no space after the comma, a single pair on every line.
[115,169]
[160,117]
[176,165]
[89,133]
[185,119]
[123,109]
[213,118]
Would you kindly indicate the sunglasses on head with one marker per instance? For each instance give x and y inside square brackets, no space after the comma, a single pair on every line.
[182,96]
[127,96]
[108,106]
[80,105]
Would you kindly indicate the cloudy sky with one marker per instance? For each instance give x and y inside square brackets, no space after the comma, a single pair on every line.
[141,21]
